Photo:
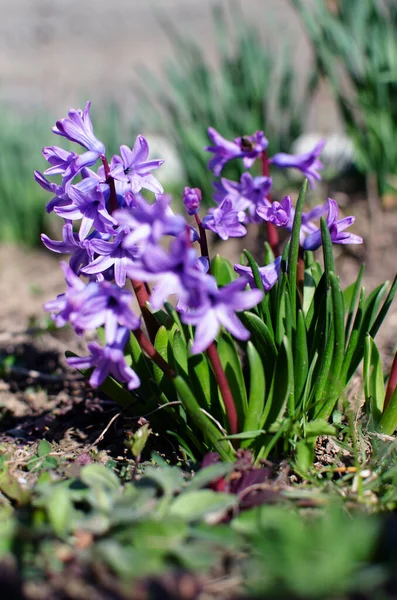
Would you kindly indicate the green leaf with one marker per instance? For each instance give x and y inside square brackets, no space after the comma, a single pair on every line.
[256,399]
[329,263]
[318,427]
[201,422]
[293,252]
[196,505]
[44,448]
[201,377]
[281,392]
[388,422]
[305,454]
[96,475]
[232,366]
[384,310]
[263,304]
[301,357]
[180,352]
[205,476]
[169,479]
[351,295]
[60,511]
[163,347]
[374,387]
[222,269]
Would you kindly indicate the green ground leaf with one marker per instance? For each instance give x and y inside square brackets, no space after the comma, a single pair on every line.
[198,504]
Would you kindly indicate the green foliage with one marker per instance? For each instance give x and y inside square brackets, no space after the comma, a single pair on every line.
[167,520]
[251,89]
[356,49]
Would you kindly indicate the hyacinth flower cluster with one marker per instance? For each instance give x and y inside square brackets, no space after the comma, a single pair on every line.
[123,245]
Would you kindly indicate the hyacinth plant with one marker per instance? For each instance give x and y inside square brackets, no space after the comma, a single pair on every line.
[220,357]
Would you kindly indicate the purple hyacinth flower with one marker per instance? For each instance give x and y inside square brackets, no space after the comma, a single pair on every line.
[112,254]
[78,128]
[249,148]
[108,360]
[219,309]
[336,229]
[176,272]
[60,198]
[81,250]
[225,220]
[308,162]
[278,213]
[61,160]
[89,306]
[269,273]
[192,199]
[149,222]
[134,167]
[89,207]
[247,194]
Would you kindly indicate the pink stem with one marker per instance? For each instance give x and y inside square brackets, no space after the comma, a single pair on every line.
[223,383]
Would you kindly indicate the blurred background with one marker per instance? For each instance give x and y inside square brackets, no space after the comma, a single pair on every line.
[298,69]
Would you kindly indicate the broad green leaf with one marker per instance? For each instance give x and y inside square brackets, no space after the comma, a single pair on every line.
[371,307]
[318,427]
[44,448]
[60,511]
[163,347]
[222,269]
[199,504]
[328,254]
[169,479]
[201,422]
[282,387]
[205,476]
[180,352]
[262,306]
[202,379]
[388,422]
[351,294]
[256,399]
[384,310]
[334,382]
[245,435]
[234,373]
[301,362]
[374,387]
[98,475]
[305,454]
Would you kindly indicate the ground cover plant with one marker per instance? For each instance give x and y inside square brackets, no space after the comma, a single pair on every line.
[228,365]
